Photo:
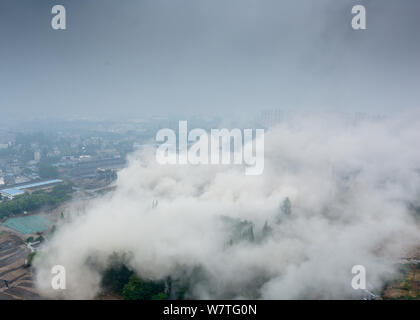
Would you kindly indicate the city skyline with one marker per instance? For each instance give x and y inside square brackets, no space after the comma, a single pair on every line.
[147,58]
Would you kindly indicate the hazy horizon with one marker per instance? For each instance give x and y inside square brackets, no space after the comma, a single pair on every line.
[143,58]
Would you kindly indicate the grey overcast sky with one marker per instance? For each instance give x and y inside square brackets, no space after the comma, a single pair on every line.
[167,57]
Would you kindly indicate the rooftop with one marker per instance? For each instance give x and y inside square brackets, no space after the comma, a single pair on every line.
[12,192]
[38,184]
[18,190]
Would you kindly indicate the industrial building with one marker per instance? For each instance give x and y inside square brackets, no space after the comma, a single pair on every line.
[11,193]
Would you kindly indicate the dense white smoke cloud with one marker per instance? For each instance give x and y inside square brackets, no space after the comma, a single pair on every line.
[349,185]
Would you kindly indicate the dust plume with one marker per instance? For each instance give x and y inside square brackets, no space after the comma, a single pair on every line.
[334,193]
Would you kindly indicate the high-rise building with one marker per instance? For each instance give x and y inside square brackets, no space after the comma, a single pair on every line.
[37,156]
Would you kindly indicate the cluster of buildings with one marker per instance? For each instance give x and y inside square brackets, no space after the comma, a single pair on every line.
[88,153]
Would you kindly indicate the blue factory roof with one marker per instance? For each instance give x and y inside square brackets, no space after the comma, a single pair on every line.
[18,190]
[12,191]
[38,184]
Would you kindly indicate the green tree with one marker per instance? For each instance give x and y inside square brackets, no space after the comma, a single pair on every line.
[285,210]
[137,289]
[47,171]
[160,296]
[286,207]
[133,290]
[116,278]
[36,200]
[266,231]
[30,239]
[30,258]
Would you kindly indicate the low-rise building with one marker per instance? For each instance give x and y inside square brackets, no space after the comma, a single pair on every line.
[11,193]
